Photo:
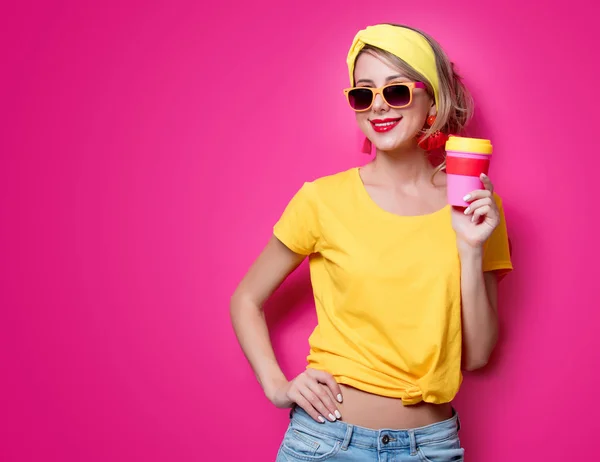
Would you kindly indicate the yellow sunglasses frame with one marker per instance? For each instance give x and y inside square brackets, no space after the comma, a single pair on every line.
[379,91]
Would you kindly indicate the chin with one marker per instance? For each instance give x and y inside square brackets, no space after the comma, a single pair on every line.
[394,145]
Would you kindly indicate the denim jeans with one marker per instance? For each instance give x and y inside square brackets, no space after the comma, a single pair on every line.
[307,440]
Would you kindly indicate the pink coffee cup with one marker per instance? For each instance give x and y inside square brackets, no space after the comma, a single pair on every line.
[466,160]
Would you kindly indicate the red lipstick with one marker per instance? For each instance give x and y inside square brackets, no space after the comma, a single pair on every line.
[384,125]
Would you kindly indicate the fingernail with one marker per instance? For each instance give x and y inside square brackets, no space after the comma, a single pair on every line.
[483,175]
[467,210]
[331,417]
[473,219]
[337,414]
[339,398]
[467,197]
[321,419]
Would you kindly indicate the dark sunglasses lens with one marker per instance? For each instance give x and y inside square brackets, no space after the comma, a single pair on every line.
[360,98]
[397,95]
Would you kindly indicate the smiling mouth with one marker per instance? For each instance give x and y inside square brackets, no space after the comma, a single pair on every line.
[384,125]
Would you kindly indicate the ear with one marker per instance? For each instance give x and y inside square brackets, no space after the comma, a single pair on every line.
[432,110]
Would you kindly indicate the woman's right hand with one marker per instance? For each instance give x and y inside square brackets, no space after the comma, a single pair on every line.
[313,390]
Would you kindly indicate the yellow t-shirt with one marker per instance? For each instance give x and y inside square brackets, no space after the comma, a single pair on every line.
[386,289]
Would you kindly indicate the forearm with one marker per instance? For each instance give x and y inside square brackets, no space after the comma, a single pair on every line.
[479,317]
[250,327]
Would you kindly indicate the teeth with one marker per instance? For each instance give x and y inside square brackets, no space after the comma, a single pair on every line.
[386,124]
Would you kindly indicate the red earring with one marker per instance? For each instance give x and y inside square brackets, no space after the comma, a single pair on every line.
[363,143]
[367,146]
[435,141]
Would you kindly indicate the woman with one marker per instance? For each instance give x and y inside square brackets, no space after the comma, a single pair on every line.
[405,285]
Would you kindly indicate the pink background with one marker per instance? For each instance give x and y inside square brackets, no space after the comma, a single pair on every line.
[147,149]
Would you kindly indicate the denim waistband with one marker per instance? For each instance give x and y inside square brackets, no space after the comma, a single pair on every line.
[385,438]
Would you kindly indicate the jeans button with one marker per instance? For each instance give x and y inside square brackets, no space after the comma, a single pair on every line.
[385,439]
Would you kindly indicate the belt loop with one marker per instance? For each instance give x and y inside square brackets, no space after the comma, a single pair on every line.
[413,442]
[347,437]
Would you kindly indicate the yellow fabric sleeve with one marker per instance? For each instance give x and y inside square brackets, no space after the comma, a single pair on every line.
[298,226]
[496,252]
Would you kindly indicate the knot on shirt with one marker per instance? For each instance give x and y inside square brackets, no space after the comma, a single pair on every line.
[412,395]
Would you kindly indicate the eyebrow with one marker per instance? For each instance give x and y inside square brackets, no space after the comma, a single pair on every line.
[391,77]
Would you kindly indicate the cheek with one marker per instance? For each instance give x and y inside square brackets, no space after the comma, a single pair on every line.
[416,117]
[362,119]
[421,108]
[415,121]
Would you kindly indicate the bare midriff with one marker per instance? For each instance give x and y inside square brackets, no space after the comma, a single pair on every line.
[377,412]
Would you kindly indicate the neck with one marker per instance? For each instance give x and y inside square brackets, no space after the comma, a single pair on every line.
[411,166]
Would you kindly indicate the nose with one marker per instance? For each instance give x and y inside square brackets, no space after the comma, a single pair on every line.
[379,105]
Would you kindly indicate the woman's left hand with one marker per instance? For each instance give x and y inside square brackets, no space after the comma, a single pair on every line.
[475,224]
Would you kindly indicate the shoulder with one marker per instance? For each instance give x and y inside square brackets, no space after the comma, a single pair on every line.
[334,191]
[333,184]
[327,190]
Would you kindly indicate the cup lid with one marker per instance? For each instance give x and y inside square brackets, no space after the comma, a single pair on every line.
[473,145]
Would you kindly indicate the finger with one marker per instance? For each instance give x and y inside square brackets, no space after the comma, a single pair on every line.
[305,404]
[478,203]
[477,194]
[315,401]
[326,378]
[320,391]
[487,183]
[482,211]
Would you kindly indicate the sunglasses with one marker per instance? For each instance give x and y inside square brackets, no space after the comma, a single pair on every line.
[395,95]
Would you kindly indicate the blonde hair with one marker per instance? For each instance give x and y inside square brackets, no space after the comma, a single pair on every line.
[455,106]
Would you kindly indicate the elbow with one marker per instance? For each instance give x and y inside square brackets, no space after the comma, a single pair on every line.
[235,312]
[239,302]
[234,304]
[475,363]
[478,356]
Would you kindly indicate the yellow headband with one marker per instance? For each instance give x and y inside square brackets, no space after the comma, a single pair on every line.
[406,44]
